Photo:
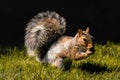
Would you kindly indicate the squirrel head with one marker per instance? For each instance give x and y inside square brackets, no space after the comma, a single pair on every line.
[84,39]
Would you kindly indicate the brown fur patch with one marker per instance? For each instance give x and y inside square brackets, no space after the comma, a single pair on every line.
[63,39]
[73,54]
[82,39]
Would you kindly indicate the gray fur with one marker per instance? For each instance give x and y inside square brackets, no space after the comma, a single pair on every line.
[39,37]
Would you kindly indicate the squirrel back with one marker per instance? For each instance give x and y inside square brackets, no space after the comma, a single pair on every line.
[44,29]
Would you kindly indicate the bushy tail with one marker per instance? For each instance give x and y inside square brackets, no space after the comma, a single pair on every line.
[42,31]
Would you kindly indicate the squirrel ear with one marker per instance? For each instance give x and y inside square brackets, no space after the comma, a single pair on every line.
[87,29]
[79,33]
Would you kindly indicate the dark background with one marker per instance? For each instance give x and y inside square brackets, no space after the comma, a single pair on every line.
[102,16]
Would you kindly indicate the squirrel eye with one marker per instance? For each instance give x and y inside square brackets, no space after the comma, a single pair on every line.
[84,39]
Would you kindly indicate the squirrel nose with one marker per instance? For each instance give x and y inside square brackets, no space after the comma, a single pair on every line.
[90,46]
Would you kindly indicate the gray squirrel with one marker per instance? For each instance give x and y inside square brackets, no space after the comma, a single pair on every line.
[44,40]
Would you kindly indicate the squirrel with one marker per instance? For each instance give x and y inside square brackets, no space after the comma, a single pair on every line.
[44,40]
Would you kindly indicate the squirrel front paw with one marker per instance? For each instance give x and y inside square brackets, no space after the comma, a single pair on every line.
[88,52]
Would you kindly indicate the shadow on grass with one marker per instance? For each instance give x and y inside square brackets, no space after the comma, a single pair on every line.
[67,65]
[93,68]
[98,68]
[89,67]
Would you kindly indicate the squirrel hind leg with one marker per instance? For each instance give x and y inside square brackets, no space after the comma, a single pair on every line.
[58,63]
[31,53]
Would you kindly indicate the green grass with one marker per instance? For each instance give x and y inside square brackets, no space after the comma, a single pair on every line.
[104,64]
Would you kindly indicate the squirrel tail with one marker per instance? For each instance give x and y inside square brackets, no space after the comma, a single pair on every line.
[42,31]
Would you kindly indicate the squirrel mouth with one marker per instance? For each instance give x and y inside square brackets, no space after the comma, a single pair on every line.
[84,49]
[92,49]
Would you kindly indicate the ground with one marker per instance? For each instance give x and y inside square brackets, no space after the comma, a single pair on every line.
[104,64]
